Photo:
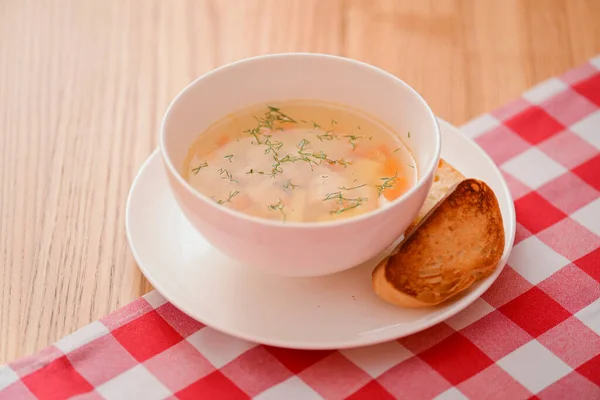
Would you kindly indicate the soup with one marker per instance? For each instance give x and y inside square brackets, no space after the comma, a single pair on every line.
[300,161]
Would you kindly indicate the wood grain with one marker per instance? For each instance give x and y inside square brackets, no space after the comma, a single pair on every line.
[84,84]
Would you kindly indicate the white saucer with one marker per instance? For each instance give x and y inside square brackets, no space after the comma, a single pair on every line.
[330,312]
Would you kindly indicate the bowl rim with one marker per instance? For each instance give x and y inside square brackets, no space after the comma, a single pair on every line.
[421,180]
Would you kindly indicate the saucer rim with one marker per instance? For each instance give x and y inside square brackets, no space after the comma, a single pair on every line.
[358,341]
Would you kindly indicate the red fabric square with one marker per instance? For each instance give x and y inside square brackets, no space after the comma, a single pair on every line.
[298,360]
[493,383]
[591,370]
[534,125]
[502,144]
[456,358]
[57,380]
[182,323]
[535,312]
[413,379]
[507,287]
[572,341]
[568,192]
[101,360]
[255,371]
[179,366]
[372,391]
[571,288]
[423,340]
[213,386]
[127,313]
[535,213]
[496,335]
[590,264]
[588,171]
[570,239]
[335,377]
[147,336]
[590,88]
[572,386]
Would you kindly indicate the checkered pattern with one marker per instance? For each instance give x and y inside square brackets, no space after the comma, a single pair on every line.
[534,333]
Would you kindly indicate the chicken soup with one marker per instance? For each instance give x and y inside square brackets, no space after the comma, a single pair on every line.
[301,161]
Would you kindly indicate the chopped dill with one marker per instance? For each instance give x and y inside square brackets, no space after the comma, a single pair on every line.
[254,171]
[302,145]
[315,125]
[229,157]
[334,122]
[290,185]
[344,202]
[358,126]
[231,196]
[410,165]
[326,136]
[398,149]
[409,135]
[387,183]
[227,174]
[278,206]
[352,188]
[352,139]
[199,167]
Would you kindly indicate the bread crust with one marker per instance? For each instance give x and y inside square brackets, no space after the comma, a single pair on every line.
[459,241]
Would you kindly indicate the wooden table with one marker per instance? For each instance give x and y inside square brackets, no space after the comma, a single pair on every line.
[84,84]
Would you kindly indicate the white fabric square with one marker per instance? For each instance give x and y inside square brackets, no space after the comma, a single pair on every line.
[451,394]
[544,90]
[155,299]
[218,348]
[377,359]
[82,336]
[477,310]
[588,129]
[533,168]
[136,383]
[534,366]
[589,216]
[479,125]
[293,388]
[590,316]
[7,376]
[595,62]
[535,261]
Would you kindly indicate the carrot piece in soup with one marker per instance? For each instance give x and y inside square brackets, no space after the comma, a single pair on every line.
[223,140]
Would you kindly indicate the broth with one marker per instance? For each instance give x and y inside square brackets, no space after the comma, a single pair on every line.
[300,161]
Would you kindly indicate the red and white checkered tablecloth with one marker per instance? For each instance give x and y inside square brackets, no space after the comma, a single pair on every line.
[534,334]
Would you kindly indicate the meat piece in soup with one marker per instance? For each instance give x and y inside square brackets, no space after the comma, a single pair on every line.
[301,161]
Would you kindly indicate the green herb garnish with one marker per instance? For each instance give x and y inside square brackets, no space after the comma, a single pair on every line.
[229,157]
[199,167]
[352,188]
[409,135]
[278,206]
[345,203]
[290,185]
[231,196]
[223,171]
[352,139]
[254,171]
[387,183]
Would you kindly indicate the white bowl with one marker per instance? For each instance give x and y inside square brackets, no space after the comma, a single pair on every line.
[299,248]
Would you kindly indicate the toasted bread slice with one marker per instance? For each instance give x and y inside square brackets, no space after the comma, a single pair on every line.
[458,242]
[446,176]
